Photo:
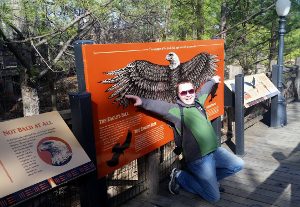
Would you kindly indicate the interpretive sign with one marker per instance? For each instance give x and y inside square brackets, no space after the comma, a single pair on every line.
[151,70]
[257,88]
[38,153]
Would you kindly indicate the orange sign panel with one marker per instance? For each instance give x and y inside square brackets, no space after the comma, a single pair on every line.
[123,132]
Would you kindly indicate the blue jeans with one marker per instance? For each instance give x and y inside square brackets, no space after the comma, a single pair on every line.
[203,174]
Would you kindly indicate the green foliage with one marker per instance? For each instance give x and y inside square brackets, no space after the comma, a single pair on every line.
[194,19]
[255,40]
[135,21]
[5,12]
[292,37]
[292,45]
[251,26]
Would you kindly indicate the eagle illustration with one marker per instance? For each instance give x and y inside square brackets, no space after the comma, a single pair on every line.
[60,153]
[148,80]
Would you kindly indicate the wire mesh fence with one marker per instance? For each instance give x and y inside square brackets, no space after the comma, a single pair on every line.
[126,182]
[122,185]
[131,180]
[67,195]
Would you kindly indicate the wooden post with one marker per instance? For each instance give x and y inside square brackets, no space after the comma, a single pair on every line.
[239,114]
[297,80]
[93,191]
[274,100]
[216,123]
[152,173]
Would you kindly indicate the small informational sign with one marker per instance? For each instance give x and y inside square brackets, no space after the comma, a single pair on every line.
[38,153]
[257,88]
[123,132]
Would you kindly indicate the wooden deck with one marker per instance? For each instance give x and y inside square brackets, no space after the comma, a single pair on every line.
[271,176]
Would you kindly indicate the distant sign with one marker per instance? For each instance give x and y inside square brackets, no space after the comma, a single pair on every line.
[125,134]
[257,88]
[36,154]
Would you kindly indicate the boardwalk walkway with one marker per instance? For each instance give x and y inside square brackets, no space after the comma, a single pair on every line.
[271,176]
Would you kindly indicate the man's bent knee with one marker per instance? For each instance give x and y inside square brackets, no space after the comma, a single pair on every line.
[211,197]
[214,199]
[239,166]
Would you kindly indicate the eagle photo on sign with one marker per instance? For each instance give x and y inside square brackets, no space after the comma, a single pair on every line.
[54,151]
[153,81]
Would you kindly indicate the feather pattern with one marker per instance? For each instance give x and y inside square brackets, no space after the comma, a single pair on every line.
[148,80]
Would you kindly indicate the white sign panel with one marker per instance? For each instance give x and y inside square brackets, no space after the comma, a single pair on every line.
[36,154]
[257,88]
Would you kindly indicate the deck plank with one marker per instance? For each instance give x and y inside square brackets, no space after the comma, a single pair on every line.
[271,176]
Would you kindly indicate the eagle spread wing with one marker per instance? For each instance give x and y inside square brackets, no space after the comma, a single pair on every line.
[200,68]
[148,80]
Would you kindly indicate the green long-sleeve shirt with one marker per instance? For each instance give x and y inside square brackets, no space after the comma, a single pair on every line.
[199,137]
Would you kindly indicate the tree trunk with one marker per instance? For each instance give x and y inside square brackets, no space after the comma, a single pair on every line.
[200,19]
[52,91]
[168,16]
[28,83]
[223,20]
[30,100]
[182,34]
[23,52]
[272,44]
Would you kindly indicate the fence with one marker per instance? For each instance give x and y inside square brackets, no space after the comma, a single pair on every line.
[136,177]
[133,179]
[291,81]
[123,184]
[67,195]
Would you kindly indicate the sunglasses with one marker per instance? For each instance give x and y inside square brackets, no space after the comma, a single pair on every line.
[184,93]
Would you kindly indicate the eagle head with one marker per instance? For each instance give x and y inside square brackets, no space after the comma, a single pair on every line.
[60,154]
[173,59]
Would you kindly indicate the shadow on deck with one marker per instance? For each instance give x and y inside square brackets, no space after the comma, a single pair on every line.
[271,176]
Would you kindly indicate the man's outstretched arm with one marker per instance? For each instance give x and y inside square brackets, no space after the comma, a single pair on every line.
[157,107]
[137,100]
[206,88]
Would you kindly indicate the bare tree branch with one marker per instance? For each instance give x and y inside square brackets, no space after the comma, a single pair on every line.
[66,44]
[14,49]
[63,49]
[16,30]
[43,59]
[65,28]
[246,20]
[52,34]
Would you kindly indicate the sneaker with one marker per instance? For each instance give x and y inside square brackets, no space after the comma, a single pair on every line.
[221,189]
[173,186]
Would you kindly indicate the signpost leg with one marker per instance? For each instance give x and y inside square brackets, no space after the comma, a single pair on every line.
[274,100]
[152,173]
[239,114]
[297,81]
[216,123]
[79,63]
[93,191]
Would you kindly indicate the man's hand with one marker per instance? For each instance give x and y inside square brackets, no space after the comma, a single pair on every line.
[216,78]
[137,100]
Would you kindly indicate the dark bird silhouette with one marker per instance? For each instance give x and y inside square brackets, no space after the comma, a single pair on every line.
[252,84]
[153,81]
[213,92]
[118,150]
